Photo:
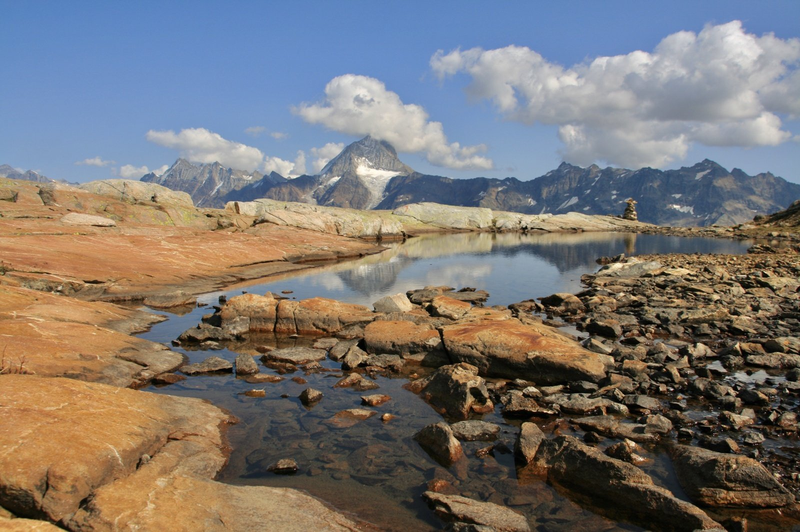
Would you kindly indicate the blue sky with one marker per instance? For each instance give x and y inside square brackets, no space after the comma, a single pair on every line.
[94,90]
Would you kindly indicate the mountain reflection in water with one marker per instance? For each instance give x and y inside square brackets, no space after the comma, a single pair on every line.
[510,266]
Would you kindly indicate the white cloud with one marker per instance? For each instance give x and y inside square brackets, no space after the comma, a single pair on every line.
[203,146]
[276,164]
[277,135]
[360,105]
[255,131]
[161,170]
[721,87]
[94,161]
[129,171]
[324,154]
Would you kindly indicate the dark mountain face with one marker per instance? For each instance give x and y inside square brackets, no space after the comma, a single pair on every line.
[369,175]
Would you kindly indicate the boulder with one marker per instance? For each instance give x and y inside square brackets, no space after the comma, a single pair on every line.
[76,218]
[70,438]
[261,311]
[616,488]
[563,303]
[440,443]
[483,514]
[447,216]
[720,479]
[510,349]
[447,307]
[245,365]
[395,303]
[319,316]
[406,339]
[475,430]
[132,191]
[310,396]
[298,356]
[209,365]
[456,390]
[528,440]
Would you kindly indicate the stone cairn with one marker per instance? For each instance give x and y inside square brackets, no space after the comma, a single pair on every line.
[630,210]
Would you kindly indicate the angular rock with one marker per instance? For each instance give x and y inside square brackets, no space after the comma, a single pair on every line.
[528,440]
[285,466]
[510,349]
[295,355]
[517,404]
[356,382]
[395,303]
[319,316]
[718,479]
[260,310]
[406,339]
[475,430]
[310,396]
[617,488]
[245,365]
[354,358]
[563,303]
[440,443]
[447,307]
[209,365]
[482,514]
[457,391]
[375,399]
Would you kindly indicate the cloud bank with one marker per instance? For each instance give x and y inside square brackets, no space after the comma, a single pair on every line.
[721,87]
[360,105]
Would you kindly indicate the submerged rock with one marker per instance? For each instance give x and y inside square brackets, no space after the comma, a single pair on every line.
[475,430]
[440,443]
[483,514]
[295,355]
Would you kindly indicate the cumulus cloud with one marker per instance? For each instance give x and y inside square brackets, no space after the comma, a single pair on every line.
[129,171]
[720,87]
[360,105]
[94,161]
[203,146]
[277,135]
[255,131]
[323,155]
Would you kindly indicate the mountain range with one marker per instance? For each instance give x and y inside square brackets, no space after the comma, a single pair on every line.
[367,174]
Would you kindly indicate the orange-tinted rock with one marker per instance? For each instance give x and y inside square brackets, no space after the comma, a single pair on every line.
[510,349]
[447,307]
[404,338]
[64,439]
[262,311]
[320,316]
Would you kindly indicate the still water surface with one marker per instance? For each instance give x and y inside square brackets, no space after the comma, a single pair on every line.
[375,469]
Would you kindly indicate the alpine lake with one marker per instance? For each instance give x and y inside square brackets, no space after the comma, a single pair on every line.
[374,469]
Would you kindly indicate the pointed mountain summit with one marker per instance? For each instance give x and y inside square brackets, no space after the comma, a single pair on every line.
[358,177]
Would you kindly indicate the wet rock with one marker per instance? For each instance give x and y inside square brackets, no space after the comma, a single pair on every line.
[204,333]
[340,349]
[475,430]
[457,391]
[262,377]
[509,349]
[310,396]
[616,486]
[245,365]
[447,307]
[395,303]
[356,382]
[294,355]
[255,393]
[615,428]
[605,327]
[387,362]
[625,451]
[352,416]
[170,300]
[440,443]
[516,404]
[260,310]
[407,339]
[563,303]
[584,405]
[630,268]
[286,466]
[209,365]
[375,399]
[354,358]
[528,440]
[717,479]
[168,378]
[642,403]
[483,514]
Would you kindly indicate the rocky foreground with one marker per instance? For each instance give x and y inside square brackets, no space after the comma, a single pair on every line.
[696,356]
[81,451]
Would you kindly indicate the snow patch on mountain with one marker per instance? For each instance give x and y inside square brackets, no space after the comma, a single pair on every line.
[374,179]
[682,208]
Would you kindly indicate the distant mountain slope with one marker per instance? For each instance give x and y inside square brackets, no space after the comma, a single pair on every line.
[367,174]
[12,173]
[207,183]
